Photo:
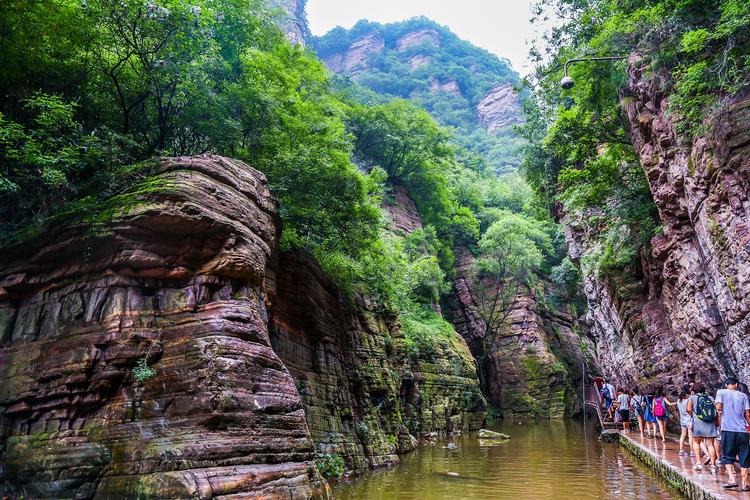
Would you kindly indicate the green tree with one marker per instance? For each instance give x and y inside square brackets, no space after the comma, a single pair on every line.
[511,249]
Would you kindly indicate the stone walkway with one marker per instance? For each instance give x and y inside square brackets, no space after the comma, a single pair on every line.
[678,470]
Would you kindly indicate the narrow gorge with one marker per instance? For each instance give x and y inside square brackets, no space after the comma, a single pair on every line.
[244,257]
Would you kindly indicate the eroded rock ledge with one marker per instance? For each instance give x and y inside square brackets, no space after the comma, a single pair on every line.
[189,279]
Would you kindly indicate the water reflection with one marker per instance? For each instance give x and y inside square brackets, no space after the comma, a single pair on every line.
[543,460]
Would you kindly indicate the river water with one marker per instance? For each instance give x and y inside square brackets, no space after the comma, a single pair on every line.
[542,460]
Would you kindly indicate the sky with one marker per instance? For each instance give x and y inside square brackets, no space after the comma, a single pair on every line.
[500,26]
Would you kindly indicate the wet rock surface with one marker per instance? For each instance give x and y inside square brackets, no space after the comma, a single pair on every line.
[683,313]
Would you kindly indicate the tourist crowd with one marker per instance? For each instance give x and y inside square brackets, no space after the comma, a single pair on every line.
[716,427]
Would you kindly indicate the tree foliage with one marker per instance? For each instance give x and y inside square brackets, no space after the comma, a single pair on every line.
[511,249]
[117,82]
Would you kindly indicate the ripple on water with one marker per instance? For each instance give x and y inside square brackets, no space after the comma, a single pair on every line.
[542,460]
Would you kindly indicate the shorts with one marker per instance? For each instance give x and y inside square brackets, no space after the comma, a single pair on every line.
[607,403]
[625,415]
[703,429]
[663,417]
[735,444]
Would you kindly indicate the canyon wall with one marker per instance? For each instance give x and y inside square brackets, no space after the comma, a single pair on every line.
[534,366]
[293,20]
[175,279]
[682,314]
[365,398]
[259,360]
[499,108]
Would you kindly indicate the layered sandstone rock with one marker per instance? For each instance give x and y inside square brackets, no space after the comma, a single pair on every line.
[499,108]
[186,278]
[175,279]
[683,313]
[535,364]
[355,58]
[366,397]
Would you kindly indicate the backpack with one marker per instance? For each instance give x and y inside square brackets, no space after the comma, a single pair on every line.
[705,409]
[659,409]
[641,404]
[605,393]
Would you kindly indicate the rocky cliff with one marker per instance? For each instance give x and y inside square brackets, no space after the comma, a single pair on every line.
[364,398]
[258,359]
[355,58]
[293,20]
[176,280]
[534,367]
[499,108]
[682,314]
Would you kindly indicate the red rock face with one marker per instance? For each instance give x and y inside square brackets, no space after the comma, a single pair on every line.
[176,279]
[684,313]
[189,279]
[402,211]
[364,398]
[535,364]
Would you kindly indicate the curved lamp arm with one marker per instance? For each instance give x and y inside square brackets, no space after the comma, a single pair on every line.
[567,82]
[579,59]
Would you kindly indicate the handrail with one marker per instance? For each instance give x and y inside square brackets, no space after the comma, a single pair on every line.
[596,403]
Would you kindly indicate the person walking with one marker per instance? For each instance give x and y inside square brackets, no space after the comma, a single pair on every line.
[659,408]
[638,404]
[686,422]
[623,408]
[734,414]
[701,407]
[648,415]
[608,393]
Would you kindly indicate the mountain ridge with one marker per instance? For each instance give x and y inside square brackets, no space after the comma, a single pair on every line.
[463,86]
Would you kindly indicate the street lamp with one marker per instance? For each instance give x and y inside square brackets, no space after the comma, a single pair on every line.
[567,82]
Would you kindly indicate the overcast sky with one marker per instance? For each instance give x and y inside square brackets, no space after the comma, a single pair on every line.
[500,26]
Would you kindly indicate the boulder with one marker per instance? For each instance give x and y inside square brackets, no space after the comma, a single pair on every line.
[488,434]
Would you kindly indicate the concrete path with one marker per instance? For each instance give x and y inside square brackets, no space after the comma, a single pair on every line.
[678,470]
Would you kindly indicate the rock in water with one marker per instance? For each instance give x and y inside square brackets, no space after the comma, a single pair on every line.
[610,436]
[488,434]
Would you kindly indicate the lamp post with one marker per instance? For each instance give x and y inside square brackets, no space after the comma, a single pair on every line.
[567,82]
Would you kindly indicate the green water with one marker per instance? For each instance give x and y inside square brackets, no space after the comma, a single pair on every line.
[542,460]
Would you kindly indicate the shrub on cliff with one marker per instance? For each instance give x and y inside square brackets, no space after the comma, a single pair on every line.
[330,465]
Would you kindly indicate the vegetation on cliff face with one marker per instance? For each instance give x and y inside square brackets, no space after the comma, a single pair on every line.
[579,149]
[124,82]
